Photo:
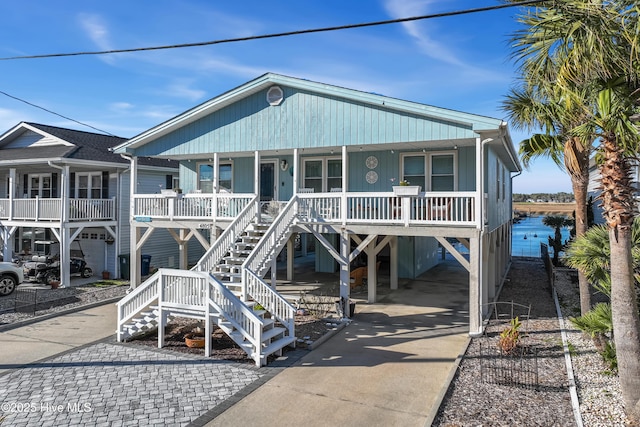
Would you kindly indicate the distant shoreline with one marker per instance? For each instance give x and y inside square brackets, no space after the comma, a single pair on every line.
[544,208]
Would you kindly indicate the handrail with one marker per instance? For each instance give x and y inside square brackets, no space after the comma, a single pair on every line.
[255,265]
[228,237]
[141,296]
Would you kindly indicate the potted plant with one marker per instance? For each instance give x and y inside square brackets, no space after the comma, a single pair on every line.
[106,275]
[510,336]
[195,338]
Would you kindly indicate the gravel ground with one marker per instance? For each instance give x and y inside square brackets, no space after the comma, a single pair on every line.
[477,395]
[57,300]
[473,399]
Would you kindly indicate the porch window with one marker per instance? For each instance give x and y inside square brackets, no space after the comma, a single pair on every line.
[89,185]
[322,174]
[413,170]
[442,172]
[431,171]
[205,177]
[40,185]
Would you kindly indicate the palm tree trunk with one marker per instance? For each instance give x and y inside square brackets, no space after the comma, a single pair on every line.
[626,323]
[580,191]
[619,209]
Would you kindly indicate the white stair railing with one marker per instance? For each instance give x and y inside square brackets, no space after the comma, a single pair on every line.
[228,237]
[140,297]
[256,265]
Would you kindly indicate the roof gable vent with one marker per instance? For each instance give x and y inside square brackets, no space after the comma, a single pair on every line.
[275,95]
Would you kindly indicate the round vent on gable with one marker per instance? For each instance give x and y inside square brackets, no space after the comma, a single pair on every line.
[275,95]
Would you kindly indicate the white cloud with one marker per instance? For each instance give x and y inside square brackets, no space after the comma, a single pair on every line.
[96,29]
[182,90]
[120,107]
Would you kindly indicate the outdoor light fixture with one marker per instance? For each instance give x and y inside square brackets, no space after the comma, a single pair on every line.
[284,164]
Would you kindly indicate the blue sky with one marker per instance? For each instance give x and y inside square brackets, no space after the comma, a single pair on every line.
[461,62]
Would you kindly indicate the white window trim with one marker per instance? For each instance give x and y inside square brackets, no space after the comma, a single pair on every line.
[215,174]
[428,156]
[324,174]
[89,176]
[40,181]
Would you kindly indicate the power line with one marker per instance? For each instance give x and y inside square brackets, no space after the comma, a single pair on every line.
[284,34]
[54,113]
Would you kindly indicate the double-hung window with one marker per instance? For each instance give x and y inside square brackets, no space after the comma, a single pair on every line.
[322,174]
[431,171]
[205,177]
[89,185]
[40,185]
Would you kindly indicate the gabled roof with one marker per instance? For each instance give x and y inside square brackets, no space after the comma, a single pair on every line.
[475,122]
[68,144]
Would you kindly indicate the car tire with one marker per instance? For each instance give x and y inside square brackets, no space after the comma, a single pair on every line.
[87,272]
[8,284]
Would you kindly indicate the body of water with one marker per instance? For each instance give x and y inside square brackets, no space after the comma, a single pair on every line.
[529,233]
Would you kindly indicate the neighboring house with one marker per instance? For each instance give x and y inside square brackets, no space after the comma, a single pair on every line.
[289,157]
[63,185]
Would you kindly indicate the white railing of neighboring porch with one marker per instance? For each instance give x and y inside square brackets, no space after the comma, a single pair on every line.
[47,209]
[435,208]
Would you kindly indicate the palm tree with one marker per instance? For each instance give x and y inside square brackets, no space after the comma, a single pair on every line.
[573,44]
[556,222]
[539,106]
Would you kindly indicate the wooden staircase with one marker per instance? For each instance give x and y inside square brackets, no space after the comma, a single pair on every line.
[222,290]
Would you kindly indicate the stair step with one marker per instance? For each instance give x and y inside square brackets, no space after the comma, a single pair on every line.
[272,333]
[277,345]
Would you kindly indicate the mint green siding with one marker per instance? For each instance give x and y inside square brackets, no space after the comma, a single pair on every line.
[303,120]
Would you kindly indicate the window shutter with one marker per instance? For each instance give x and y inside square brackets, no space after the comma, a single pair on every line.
[168,182]
[25,185]
[105,184]
[72,185]
[54,185]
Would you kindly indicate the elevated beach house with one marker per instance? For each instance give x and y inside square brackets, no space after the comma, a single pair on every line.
[278,158]
[63,185]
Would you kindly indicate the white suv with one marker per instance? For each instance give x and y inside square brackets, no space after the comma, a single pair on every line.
[10,277]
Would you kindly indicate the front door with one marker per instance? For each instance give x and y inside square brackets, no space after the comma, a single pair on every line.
[268,187]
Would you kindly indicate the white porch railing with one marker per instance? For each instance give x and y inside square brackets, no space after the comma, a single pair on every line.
[432,208]
[48,209]
[190,206]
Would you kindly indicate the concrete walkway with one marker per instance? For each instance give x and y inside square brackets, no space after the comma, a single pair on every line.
[390,366]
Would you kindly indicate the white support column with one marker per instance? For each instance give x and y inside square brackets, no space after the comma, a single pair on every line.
[479,184]
[345,281]
[184,252]
[134,232]
[216,172]
[291,248]
[345,186]
[295,171]
[13,184]
[393,259]
[475,286]
[65,241]
[256,181]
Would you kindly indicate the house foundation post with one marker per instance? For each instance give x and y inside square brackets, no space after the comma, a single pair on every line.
[475,286]
[393,259]
[372,272]
[290,257]
[345,281]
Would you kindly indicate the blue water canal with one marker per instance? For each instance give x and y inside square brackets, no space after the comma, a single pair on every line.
[535,232]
